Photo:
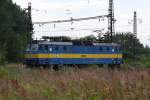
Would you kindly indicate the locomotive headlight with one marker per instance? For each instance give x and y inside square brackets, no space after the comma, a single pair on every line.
[50,49]
[113,50]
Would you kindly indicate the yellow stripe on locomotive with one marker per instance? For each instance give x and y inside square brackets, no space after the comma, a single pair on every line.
[73,55]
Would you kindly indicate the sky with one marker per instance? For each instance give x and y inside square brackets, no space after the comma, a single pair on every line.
[49,10]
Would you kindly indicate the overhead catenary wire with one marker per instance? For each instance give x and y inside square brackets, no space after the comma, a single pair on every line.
[72,30]
[71,20]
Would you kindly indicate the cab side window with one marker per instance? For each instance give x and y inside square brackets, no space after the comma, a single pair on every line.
[40,47]
[56,48]
[101,49]
[46,47]
[107,48]
[65,48]
[116,49]
[120,49]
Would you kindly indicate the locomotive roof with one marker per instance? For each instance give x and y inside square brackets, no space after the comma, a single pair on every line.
[71,43]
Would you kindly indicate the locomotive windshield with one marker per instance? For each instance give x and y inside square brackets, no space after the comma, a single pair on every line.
[32,47]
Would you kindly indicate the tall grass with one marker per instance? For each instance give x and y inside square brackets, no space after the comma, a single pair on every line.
[19,83]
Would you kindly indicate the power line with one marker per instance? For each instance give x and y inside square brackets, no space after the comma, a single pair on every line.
[123,25]
[71,20]
[72,30]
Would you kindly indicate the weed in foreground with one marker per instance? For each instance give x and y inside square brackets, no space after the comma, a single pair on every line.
[76,84]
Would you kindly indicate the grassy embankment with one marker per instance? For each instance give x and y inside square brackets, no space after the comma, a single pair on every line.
[17,82]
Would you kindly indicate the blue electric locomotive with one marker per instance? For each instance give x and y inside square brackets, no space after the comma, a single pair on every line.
[73,53]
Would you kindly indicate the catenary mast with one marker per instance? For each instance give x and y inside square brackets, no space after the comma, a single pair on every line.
[111,20]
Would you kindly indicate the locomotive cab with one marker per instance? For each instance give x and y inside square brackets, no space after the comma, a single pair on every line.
[31,54]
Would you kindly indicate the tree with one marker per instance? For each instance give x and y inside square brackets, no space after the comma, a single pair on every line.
[130,44]
[14,32]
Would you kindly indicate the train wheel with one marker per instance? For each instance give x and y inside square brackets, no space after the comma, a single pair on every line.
[56,67]
[80,66]
[29,66]
[100,65]
[111,66]
[118,66]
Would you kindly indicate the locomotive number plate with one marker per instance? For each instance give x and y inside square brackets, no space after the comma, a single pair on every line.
[83,56]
